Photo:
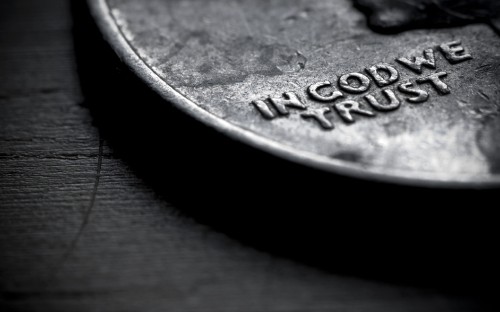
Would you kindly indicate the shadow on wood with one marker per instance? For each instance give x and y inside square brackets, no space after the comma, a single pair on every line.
[428,237]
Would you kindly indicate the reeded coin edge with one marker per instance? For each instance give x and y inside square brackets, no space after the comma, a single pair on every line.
[100,10]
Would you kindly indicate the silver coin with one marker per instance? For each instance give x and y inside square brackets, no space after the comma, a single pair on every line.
[322,83]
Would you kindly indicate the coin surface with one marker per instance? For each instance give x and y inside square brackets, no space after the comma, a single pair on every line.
[322,82]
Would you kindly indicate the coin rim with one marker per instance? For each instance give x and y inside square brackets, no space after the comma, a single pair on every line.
[100,10]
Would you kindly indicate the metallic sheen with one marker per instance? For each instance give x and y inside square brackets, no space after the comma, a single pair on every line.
[310,81]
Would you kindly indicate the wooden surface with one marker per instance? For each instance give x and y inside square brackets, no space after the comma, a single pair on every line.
[110,201]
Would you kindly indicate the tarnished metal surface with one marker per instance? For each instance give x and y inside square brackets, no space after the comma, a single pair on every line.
[311,82]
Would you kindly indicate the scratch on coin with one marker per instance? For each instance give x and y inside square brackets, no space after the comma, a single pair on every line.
[484,67]
[483,95]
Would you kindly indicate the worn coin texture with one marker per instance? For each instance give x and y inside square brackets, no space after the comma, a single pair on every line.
[399,91]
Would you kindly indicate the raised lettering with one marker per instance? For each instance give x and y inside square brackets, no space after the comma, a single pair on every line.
[264,109]
[364,83]
[418,62]
[347,107]
[408,88]
[289,99]
[313,91]
[382,74]
[454,52]
[319,116]
[436,82]
[380,80]
[394,102]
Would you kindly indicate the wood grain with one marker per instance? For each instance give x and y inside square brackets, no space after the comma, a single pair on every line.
[104,205]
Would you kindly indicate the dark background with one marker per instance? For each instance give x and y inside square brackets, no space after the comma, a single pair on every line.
[112,200]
